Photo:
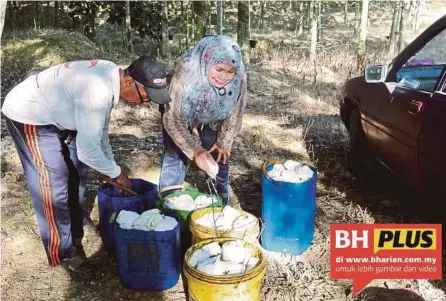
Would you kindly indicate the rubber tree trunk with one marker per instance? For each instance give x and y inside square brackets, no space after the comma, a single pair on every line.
[200,18]
[346,11]
[392,35]
[36,15]
[363,29]
[243,23]
[262,16]
[415,15]
[164,29]
[310,13]
[313,17]
[397,28]
[401,29]
[319,20]
[219,17]
[56,13]
[92,19]
[357,16]
[301,18]
[128,27]
[3,5]
[249,19]
[209,17]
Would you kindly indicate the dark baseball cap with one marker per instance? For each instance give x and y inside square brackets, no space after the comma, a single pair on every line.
[147,71]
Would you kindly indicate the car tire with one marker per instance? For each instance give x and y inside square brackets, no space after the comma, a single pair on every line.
[358,156]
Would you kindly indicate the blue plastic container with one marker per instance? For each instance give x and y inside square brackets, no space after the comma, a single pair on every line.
[149,260]
[288,212]
[110,201]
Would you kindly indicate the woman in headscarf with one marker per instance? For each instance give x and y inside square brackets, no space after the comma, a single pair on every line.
[207,92]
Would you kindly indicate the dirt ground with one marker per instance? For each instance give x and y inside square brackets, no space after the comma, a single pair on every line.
[290,114]
[295,128]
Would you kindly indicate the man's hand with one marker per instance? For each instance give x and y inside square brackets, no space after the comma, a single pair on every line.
[124,180]
[222,153]
[206,163]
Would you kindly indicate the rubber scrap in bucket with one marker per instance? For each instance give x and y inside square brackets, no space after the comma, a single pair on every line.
[244,286]
[224,222]
[111,202]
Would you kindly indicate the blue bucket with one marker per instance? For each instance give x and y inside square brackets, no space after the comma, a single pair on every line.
[288,212]
[149,260]
[110,201]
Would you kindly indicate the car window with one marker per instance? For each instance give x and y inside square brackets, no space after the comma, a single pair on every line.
[423,69]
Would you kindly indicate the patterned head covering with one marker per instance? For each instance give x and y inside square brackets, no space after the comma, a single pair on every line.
[201,100]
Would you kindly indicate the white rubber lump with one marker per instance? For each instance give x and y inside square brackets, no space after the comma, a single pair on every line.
[227,219]
[291,172]
[150,220]
[186,203]
[232,258]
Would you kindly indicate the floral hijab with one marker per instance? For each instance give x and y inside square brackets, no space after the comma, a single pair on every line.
[201,101]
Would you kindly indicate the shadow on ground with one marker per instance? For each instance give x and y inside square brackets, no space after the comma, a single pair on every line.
[385,294]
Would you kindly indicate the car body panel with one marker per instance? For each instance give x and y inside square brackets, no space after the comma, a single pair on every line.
[404,117]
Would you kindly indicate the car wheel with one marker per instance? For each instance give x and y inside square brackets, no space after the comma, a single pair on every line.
[359,158]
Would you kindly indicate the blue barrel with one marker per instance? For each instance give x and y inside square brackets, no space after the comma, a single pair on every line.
[288,212]
[110,201]
[149,260]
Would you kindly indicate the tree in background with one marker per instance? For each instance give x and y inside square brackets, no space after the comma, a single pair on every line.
[2,16]
[262,16]
[243,23]
[168,27]
[301,19]
[401,28]
[313,21]
[128,27]
[163,49]
[396,37]
[219,17]
[363,30]
[415,8]
[393,30]
[319,20]
[200,19]
[346,11]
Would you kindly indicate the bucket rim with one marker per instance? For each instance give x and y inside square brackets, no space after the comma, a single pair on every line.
[267,163]
[167,213]
[224,279]
[193,225]
[103,187]
[189,190]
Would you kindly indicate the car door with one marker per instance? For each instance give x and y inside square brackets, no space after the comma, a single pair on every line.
[395,110]
[432,155]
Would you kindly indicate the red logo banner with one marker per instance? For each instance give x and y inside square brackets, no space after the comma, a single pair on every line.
[363,252]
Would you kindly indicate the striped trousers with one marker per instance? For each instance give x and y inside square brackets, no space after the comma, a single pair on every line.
[56,180]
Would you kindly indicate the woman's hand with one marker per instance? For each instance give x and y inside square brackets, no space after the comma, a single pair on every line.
[206,163]
[222,153]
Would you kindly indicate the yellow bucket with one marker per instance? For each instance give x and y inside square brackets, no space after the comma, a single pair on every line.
[200,232]
[204,287]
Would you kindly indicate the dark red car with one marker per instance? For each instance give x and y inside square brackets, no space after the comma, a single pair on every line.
[397,114]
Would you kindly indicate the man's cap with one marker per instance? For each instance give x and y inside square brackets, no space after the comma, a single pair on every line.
[147,71]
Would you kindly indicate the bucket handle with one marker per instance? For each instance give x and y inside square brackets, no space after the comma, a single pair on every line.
[113,217]
[262,227]
[229,231]
[213,192]
[244,272]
